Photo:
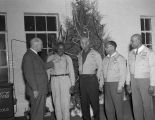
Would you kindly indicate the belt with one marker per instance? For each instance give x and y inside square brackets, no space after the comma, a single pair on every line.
[59,75]
[87,75]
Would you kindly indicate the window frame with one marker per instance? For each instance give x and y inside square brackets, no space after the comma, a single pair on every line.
[147,31]
[6,47]
[44,32]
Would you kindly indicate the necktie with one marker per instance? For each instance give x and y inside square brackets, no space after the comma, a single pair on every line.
[136,51]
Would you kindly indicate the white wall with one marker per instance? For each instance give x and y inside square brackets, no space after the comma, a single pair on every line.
[122,18]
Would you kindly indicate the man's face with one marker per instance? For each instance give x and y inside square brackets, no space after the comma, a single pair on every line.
[39,46]
[84,43]
[134,42]
[61,50]
[109,49]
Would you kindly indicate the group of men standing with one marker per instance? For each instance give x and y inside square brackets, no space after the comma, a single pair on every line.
[108,75]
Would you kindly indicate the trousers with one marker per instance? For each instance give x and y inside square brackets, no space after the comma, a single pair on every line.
[37,107]
[89,89]
[61,97]
[142,101]
[113,101]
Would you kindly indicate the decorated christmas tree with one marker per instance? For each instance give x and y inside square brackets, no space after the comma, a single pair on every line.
[85,21]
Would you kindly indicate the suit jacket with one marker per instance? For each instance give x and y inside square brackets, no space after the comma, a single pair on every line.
[34,70]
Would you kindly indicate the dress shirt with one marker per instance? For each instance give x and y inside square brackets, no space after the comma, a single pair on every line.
[143,65]
[114,69]
[62,65]
[92,64]
[33,50]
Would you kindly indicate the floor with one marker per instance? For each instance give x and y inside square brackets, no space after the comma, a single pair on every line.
[127,113]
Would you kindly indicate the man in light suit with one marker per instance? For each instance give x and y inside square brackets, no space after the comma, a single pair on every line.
[36,79]
[141,62]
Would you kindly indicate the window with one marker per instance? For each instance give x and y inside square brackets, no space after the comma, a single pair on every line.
[146,31]
[3,49]
[44,27]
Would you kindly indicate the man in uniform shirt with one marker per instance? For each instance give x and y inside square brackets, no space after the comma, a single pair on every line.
[62,78]
[141,62]
[90,70]
[114,72]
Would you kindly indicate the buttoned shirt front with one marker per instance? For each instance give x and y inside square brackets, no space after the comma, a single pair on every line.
[142,65]
[92,64]
[62,65]
[114,69]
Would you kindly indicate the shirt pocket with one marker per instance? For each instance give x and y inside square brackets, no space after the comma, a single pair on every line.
[115,67]
[144,61]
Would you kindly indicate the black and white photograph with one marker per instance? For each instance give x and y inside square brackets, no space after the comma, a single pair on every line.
[77,59]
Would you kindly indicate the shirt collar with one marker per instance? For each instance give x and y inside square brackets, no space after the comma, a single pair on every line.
[140,49]
[112,54]
[60,56]
[33,50]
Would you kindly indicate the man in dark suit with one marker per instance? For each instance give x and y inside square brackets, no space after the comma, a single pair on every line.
[36,79]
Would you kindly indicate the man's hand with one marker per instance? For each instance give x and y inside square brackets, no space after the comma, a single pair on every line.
[35,93]
[151,90]
[128,88]
[71,90]
[101,88]
[49,64]
[119,90]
